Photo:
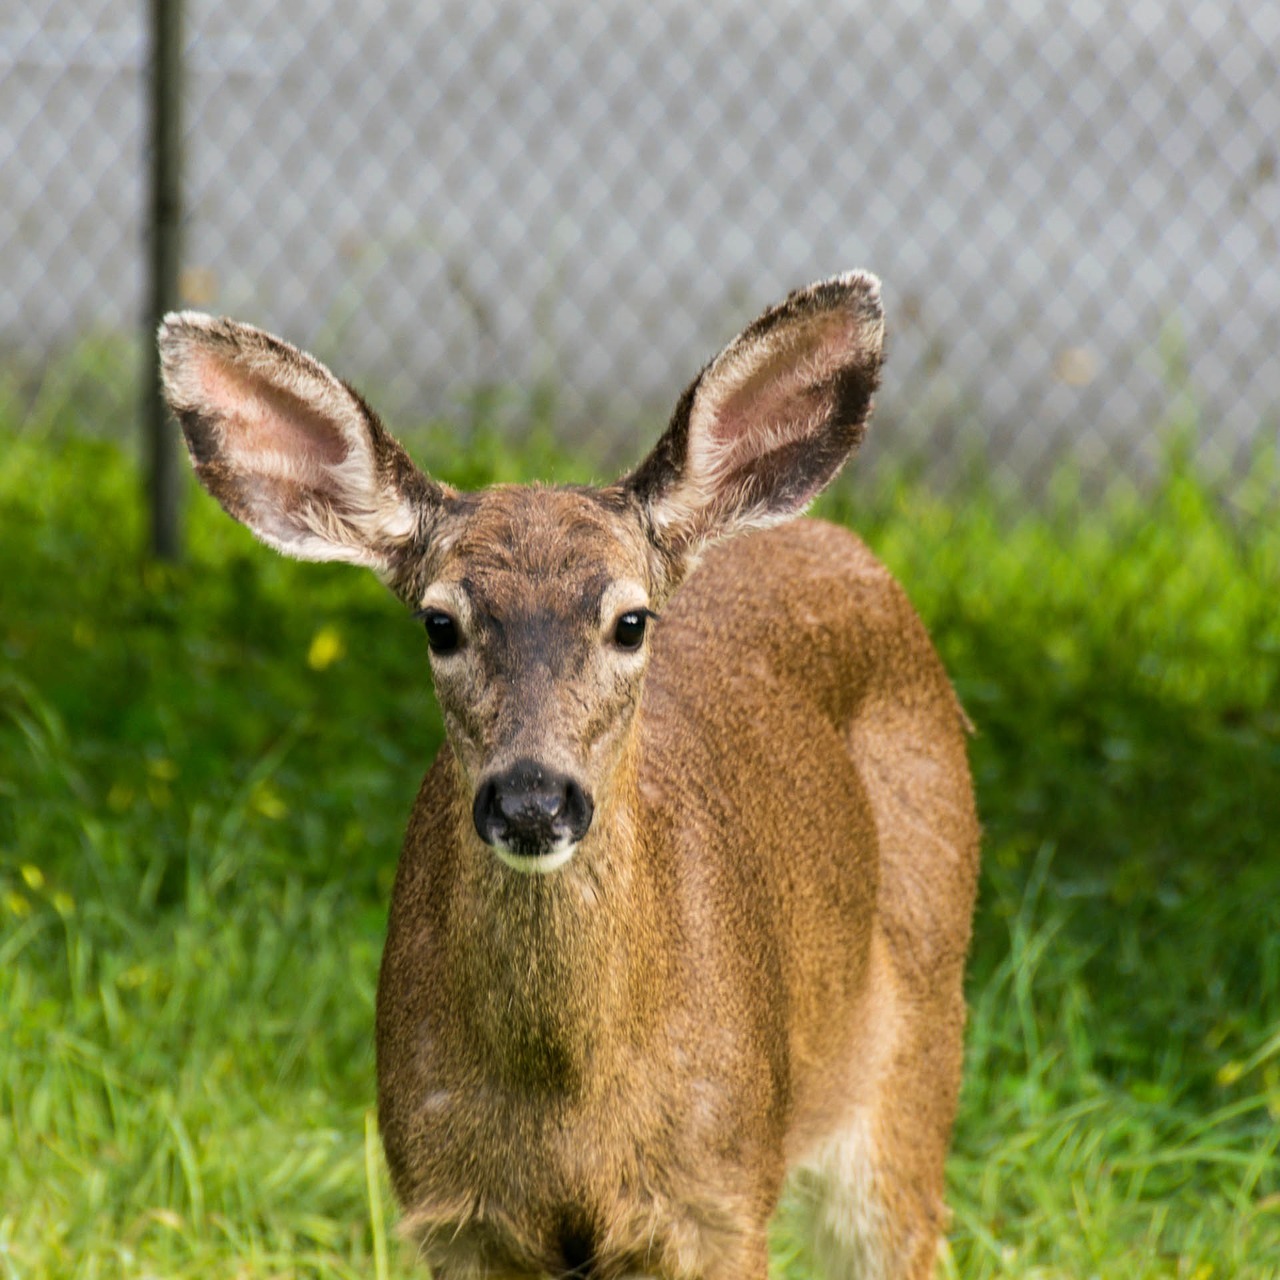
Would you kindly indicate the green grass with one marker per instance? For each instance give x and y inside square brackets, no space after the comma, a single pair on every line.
[205,771]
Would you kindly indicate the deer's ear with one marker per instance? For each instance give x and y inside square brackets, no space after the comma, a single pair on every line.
[768,423]
[287,448]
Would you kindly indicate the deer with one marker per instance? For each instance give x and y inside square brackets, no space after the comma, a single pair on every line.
[683,907]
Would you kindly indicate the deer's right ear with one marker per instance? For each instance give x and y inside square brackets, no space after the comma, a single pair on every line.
[288,449]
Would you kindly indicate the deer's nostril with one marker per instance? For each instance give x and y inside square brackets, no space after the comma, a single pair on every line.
[531,810]
[577,808]
[485,813]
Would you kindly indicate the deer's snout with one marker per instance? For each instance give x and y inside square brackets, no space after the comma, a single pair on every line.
[532,812]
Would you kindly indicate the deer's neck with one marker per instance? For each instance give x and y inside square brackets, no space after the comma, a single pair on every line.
[557,972]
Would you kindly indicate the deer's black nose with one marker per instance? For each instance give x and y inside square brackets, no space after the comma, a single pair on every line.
[531,810]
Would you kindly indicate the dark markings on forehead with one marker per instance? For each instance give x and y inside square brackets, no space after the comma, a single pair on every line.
[538,599]
[542,638]
[535,630]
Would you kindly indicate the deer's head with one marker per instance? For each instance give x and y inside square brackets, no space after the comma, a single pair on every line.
[537,602]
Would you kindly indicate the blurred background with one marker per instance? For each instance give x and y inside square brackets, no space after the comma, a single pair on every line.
[520,227]
[1074,207]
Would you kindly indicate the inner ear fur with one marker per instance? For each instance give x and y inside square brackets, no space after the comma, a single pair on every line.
[769,422]
[289,449]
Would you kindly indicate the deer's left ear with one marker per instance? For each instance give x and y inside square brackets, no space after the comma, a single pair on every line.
[768,423]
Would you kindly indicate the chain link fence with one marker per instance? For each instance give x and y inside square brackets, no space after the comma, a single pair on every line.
[1075,207]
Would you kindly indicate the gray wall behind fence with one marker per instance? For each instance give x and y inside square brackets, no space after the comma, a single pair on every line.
[1075,207]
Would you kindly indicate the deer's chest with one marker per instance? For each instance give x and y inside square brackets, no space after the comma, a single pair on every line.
[622,1186]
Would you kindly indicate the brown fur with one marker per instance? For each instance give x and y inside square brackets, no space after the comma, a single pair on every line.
[751,964]
[676,1022]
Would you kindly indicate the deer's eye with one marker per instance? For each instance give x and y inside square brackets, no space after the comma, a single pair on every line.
[628,631]
[442,630]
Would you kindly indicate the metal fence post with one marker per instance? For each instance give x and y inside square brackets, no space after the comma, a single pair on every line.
[164,256]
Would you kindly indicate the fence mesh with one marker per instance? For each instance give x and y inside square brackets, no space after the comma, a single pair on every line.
[1075,207]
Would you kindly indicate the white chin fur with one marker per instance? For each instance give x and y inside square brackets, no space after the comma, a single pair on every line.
[541,864]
